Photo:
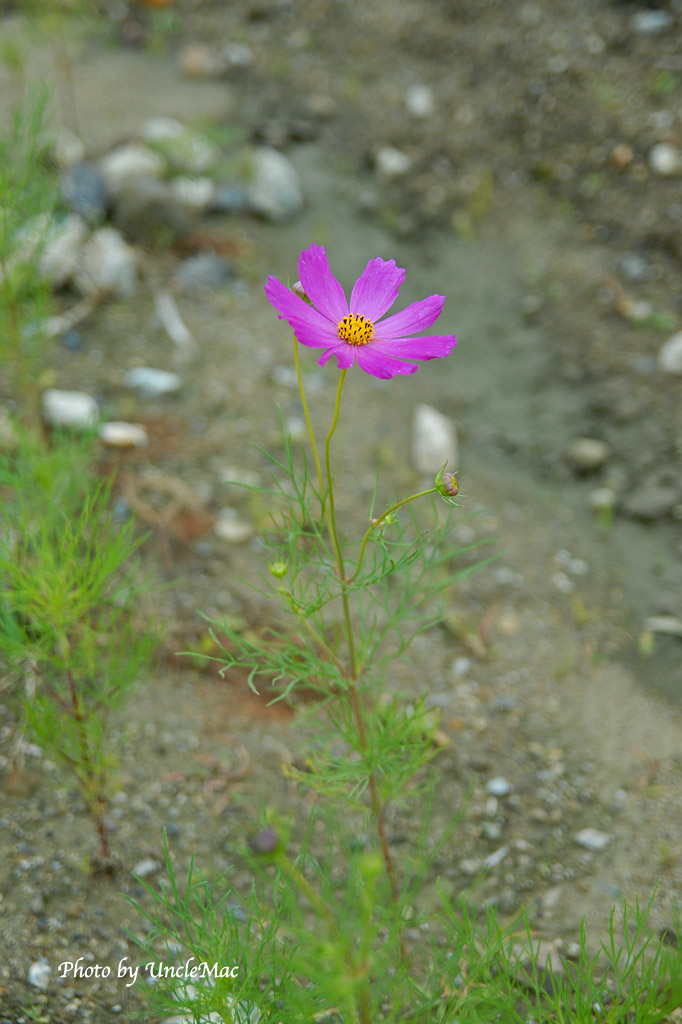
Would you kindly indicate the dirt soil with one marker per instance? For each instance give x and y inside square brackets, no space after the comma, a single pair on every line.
[531,204]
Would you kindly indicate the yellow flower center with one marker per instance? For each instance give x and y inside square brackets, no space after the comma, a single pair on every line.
[356,330]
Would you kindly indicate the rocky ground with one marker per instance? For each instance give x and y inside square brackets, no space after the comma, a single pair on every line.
[526,161]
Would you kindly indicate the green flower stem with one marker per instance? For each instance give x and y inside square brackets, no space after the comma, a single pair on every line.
[377,809]
[377,522]
[322,911]
[309,425]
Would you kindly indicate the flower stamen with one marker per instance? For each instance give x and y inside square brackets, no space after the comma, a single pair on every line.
[356,330]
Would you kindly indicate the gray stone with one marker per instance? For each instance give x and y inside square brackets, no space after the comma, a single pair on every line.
[670,355]
[39,975]
[634,268]
[498,786]
[651,500]
[84,192]
[75,409]
[230,198]
[62,250]
[108,265]
[184,149]
[587,454]
[146,867]
[195,194]
[148,211]
[125,163]
[593,839]
[204,270]
[275,190]
[434,440]
[152,383]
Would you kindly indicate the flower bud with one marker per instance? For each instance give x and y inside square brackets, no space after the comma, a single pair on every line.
[297,289]
[447,483]
[278,569]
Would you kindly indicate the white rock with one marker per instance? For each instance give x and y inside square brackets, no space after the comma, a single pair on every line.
[196,194]
[588,453]
[493,859]
[229,526]
[146,867]
[434,440]
[159,129]
[152,383]
[185,149]
[108,265]
[69,409]
[499,786]
[651,23]
[602,499]
[419,100]
[67,148]
[670,354]
[62,253]
[275,189]
[665,160]
[592,839]
[39,975]
[392,162]
[462,666]
[118,434]
[127,162]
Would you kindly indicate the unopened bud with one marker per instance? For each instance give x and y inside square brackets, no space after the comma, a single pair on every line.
[447,483]
[298,289]
[278,569]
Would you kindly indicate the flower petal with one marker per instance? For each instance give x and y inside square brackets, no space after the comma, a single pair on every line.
[431,346]
[376,289]
[310,327]
[345,356]
[379,364]
[416,317]
[320,285]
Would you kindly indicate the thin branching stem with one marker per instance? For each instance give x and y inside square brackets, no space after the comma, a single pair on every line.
[377,809]
[377,523]
[309,425]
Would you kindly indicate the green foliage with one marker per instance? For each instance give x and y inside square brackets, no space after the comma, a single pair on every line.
[69,590]
[27,198]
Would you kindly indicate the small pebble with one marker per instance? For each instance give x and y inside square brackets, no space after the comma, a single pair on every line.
[118,434]
[670,355]
[146,867]
[152,383]
[588,454]
[39,975]
[274,191]
[74,409]
[419,100]
[127,162]
[195,194]
[391,162]
[498,786]
[602,499]
[230,527]
[434,440]
[203,270]
[665,160]
[72,341]
[592,839]
[651,23]
[461,666]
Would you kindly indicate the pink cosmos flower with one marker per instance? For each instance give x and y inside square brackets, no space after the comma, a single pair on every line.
[355,332]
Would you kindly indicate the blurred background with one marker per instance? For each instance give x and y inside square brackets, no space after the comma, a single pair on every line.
[525,161]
